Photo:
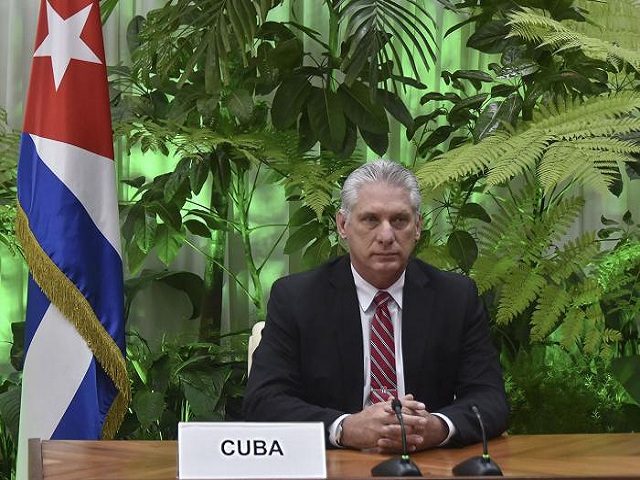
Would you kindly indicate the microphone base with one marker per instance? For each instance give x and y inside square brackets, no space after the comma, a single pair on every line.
[396,467]
[477,467]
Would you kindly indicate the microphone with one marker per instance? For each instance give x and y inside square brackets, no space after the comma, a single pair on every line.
[481,465]
[397,467]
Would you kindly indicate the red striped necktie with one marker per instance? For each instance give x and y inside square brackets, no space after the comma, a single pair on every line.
[383,359]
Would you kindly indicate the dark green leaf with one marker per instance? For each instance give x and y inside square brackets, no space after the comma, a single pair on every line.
[301,216]
[463,249]
[490,37]
[288,101]
[275,31]
[144,231]
[240,104]
[394,105]
[378,142]
[133,31]
[288,55]
[476,77]
[134,182]
[327,118]
[135,258]
[168,243]
[317,252]
[198,175]
[515,71]
[425,119]
[301,237]
[148,406]
[198,228]
[496,115]
[350,141]
[307,135]
[607,221]
[502,90]
[436,137]
[359,108]
[475,210]
[436,96]
[627,371]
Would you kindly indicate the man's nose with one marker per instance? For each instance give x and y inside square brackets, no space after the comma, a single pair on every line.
[385,232]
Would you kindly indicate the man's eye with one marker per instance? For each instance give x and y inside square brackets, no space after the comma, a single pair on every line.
[400,223]
[370,220]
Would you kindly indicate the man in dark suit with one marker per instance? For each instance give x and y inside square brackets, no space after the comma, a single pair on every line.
[317,360]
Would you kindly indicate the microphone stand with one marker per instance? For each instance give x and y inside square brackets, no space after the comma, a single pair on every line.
[397,467]
[480,465]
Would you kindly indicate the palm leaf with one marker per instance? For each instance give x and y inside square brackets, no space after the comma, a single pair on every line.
[372,28]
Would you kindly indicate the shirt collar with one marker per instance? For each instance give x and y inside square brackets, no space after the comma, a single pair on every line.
[366,291]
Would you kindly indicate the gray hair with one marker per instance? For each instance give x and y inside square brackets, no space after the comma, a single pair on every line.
[383,171]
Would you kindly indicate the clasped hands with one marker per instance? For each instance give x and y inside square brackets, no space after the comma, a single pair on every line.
[377,427]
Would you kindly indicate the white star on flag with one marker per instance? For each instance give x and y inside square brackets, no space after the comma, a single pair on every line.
[63,42]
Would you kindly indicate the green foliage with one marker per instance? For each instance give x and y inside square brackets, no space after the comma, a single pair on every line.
[183,381]
[536,27]
[557,116]
[185,37]
[556,395]
[566,143]
[9,145]
[9,422]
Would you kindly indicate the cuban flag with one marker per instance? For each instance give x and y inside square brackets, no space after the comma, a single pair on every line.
[75,384]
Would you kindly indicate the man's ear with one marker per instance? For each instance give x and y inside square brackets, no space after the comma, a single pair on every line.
[340,223]
[419,227]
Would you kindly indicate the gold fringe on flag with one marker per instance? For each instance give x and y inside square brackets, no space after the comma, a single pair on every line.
[64,294]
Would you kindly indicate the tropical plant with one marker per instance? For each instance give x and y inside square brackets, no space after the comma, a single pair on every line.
[195,91]
[9,144]
[508,169]
[181,381]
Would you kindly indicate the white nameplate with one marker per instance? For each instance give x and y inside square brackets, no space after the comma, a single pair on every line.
[212,450]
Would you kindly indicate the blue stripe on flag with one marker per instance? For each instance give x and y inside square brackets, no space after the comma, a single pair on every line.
[67,234]
[36,308]
[81,421]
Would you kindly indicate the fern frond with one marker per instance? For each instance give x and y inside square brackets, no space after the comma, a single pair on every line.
[509,224]
[533,26]
[615,21]
[520,152]
[316,181]
[553,225]
[573,256]
[610,336]
[552,303]
[519,291]
[490,270]
[592,162]
[580,141]
[465,160]
[588,293]
[593,330]
[572,116]
[616,263]
[572,327]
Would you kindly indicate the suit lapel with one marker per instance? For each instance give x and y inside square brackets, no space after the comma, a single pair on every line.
[417,314]
[346,312]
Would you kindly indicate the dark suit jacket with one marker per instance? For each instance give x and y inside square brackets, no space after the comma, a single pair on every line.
[309,364]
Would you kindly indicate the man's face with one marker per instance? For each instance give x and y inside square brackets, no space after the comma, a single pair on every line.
[381,232]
